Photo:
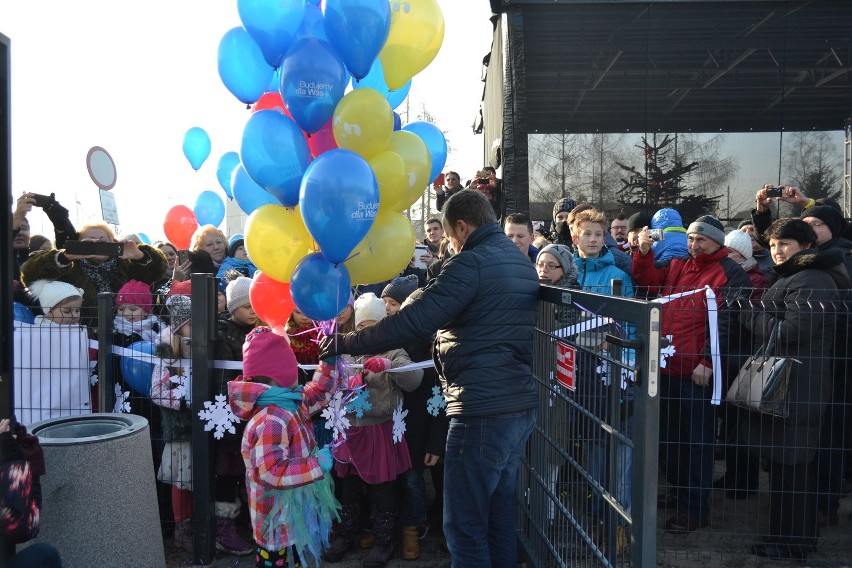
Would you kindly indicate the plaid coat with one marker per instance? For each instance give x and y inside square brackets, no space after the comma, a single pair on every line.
[278,449]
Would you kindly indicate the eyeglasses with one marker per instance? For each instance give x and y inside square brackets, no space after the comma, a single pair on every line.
[548,265]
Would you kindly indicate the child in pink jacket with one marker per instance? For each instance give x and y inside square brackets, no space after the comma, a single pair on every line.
[291,495]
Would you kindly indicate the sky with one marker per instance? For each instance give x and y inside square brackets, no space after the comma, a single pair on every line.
[134,77]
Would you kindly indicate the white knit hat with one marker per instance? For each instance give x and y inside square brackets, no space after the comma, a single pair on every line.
[369,307]
[237,293]
[49,293]
[740,242]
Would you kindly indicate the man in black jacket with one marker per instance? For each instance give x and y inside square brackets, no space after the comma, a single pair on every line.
[483,306]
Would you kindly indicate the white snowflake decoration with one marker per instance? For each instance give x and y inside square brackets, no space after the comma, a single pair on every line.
[666,352]
[218,415]
[335,416]
[436,402]
[183,387]
[399,422]
[122,404]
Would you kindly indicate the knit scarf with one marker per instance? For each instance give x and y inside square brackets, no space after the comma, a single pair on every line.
[100,273]
[288,399]
[144,328]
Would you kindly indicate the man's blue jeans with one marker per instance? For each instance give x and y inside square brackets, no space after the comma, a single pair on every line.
[481,476]
[414,500]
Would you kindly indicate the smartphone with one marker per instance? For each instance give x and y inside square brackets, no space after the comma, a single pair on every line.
[774,191]
[418,251]
[183,256]
[439,180]
[43,200]
[96,248]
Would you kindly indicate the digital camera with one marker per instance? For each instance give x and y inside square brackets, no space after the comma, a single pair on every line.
[656,234]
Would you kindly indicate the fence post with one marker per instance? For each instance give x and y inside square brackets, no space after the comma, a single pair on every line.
[202,342]
[106,380]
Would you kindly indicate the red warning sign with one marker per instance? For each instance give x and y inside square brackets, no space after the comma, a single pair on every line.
[566,357]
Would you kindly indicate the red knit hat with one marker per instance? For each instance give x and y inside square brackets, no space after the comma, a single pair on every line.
[267,354]
[180,288]
[134,292]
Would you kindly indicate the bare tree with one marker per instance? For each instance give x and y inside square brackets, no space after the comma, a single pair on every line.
[554,160]
[813,163]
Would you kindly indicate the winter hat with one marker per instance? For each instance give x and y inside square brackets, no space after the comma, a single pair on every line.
[369,307]
[638,220]
[237,293]
[564,204]
[710,227]
[180,311]
[134,292]
[180,288]
[49,293]
[787,228]
[235,244]
[745,222]
[828,215]
[562,254]
[267,354]
[235,238]
[740,242]
[400,287]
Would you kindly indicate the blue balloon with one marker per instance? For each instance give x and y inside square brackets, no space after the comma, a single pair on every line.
[313,26]
[313,80]
[248,195]
[272,24]
[242,67]
[339,199]
[397,121]
[209,209]
[274,82]
[275,154]
[358,30]
[375,79]
[146,240]
[319,287]
[196,146]
[225,171]
[137,373]
[435,143]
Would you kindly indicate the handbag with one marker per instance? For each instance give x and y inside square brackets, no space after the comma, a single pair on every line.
[763,381]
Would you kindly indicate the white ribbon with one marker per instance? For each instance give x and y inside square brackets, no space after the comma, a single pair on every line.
[713,323]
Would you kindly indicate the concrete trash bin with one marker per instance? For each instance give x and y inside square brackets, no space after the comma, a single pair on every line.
[100,502]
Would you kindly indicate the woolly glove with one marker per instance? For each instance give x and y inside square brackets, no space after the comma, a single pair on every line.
[356,381]
[377,364]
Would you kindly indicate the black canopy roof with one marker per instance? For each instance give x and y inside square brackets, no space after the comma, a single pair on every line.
[678,66]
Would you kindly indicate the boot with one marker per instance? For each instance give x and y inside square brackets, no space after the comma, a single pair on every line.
[227,539]
[382,551]
[344,536]
[410,543]
[183,535]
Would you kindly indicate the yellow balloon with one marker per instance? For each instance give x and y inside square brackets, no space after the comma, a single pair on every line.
[418,165]
[276,240]
[415,37]
[363,122]
[389,169]
[384,252]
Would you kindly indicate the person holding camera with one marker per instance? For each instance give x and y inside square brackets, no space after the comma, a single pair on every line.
[450,186]
[58,215]
[96,273]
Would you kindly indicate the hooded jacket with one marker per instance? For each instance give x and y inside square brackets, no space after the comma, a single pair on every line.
[804,300]
[674,243]
[686,319]
[596,274]
[278,448]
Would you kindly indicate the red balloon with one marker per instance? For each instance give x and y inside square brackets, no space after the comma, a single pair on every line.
[179,226]
[322,140]
[271,300]
[271,101]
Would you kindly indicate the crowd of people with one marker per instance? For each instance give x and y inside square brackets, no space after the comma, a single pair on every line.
[469,301]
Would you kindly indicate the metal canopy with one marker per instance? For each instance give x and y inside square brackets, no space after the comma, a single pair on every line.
[735,66]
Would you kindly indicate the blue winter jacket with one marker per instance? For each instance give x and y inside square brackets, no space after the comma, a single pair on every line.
[244,267]
[674,243]
[596,274]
